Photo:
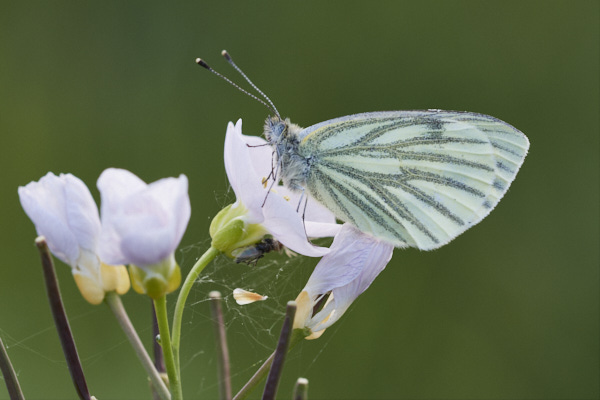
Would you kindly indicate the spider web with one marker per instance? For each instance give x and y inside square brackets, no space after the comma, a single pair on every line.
[251,329]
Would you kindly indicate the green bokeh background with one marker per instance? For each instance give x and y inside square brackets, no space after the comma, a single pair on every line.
[508,310]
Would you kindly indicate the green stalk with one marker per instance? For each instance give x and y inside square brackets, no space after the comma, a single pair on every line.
[206,258]
[160,305]
[113,300]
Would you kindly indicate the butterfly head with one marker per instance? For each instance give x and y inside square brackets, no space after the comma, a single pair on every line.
[275,129]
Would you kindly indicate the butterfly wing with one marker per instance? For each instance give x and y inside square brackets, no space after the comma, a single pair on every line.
[413,178]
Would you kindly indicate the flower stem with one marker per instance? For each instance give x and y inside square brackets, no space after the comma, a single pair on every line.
[279,356]
[301,389]
[160,306]
[61,321]
[10,377]
[259,375]
[207,257]
[223,351]
[113,300]
[159,359]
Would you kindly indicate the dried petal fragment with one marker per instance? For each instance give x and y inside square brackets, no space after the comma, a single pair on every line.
[243,297]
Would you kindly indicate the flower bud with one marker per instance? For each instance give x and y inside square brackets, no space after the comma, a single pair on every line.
[230,231]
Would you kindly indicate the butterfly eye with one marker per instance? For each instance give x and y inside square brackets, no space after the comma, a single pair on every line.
[279,129]
[274,129]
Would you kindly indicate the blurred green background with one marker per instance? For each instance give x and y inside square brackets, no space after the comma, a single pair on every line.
[509,310]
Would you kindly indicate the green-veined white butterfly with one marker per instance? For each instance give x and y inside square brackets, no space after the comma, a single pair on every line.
[412,178]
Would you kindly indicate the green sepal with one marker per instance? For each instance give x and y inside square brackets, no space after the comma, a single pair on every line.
[230,231]
[155,281]
[298,334]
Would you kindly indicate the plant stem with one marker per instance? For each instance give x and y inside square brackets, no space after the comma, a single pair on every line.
[10,377]
[224,375]
[279,356]
[159,359]
[113,300]
[207,257]
[160,306]
[301,389]
[61,321]
[259,375]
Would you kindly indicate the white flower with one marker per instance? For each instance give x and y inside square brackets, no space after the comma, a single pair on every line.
[248,162]
[63,211]
[142,225]
[353,263]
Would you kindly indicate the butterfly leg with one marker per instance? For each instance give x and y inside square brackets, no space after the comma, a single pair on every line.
[300,202]
[274,173]
[303,211]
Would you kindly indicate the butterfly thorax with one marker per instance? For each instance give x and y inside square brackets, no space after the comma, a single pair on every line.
[292,167]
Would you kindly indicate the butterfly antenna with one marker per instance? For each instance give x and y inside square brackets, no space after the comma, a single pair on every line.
[202,63]
[225,54]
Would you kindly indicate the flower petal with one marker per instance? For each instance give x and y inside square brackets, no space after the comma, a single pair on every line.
[286,225]
[353,263]
[82,212]
[314,211]
[116,184]
[172,195]
[244,180]
[321,229]
[141,224]
[243,297]
[351,253]
[63,210]
[261,154]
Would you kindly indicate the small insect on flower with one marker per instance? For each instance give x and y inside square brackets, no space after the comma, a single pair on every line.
[251,254]
[411,178]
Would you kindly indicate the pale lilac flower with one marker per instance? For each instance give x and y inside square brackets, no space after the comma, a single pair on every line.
[63,211]
[248,162]
[353,263]
[142,225]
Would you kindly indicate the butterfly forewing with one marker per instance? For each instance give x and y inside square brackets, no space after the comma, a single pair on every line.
[414,178]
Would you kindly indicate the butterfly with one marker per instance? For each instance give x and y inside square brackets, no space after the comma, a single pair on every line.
[411,178]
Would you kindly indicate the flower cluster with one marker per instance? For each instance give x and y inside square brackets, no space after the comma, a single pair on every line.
[140,225]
